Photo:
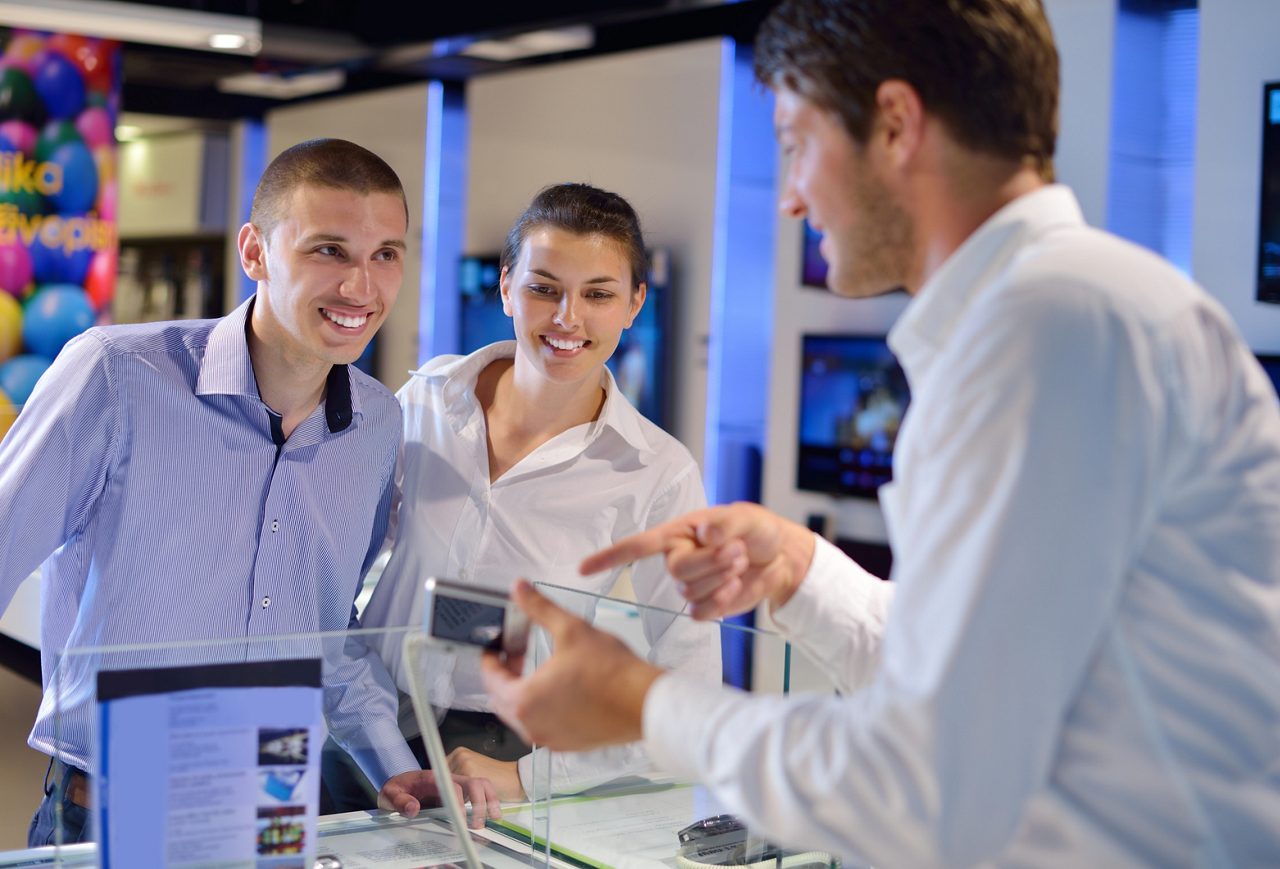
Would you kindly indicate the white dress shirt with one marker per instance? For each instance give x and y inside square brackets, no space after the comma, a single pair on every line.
[1079,661]
[577,493]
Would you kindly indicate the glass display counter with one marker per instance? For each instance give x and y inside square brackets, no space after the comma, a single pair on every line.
[208,754]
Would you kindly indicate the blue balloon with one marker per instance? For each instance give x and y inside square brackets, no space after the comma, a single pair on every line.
[56,314]
[53,265]
[79,179]
[18,376]
[60,86]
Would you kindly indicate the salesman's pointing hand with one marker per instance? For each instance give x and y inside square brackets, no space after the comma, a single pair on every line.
[725,559]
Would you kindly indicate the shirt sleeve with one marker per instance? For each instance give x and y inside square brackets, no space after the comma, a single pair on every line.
[837,617]
[57,458]
[362,701]
[1027,475]
[675,642]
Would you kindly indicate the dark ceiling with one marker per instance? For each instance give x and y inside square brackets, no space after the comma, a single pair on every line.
[378,43]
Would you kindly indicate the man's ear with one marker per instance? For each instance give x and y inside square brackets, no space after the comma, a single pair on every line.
[899,122]
[253,252]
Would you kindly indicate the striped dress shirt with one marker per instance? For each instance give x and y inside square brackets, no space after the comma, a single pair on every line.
[143,479]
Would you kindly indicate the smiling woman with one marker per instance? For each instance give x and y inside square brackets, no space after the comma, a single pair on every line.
[522,458]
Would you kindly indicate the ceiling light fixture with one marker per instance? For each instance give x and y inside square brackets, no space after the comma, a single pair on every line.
[227,41]
[283,87]
[135,22]
[533,44]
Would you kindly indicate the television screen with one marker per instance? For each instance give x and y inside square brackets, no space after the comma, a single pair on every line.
[813,271]
[638,365]
[1269,219]
[853,396]
[1271,365]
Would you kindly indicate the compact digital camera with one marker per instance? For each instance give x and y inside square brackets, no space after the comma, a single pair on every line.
[459,616]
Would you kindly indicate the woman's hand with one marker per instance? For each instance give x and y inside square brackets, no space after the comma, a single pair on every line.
[504,774]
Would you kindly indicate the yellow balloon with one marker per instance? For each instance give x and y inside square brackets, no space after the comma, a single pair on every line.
[10,326]
[104,157]
[8,413]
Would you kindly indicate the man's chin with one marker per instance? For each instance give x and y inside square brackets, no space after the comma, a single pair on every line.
[854,287]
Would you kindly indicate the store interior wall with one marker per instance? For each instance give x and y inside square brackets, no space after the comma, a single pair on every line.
[1238,40]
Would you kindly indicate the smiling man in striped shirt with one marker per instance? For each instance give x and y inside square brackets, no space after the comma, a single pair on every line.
[203,480]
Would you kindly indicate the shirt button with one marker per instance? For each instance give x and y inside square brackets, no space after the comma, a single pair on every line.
[266,602]
[275,525]
[462,574]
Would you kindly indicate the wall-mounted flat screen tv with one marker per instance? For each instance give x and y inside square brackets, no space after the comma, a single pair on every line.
[639,365]
[1269,219]
[813,268]
[1271,365]
[853,396]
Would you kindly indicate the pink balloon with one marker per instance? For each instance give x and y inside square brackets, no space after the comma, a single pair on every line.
[24,51]
[95,127]
[21,135]
[107,201]
[15,269]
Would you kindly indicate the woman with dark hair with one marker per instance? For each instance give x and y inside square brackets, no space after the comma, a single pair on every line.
[523,457]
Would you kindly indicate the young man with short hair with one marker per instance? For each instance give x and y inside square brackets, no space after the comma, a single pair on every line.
[212,479]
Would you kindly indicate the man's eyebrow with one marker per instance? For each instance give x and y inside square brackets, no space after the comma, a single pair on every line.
[342,239]
[603,279]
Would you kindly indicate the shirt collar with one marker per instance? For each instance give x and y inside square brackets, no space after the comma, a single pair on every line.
[227,369]
[931,317]
[460,375]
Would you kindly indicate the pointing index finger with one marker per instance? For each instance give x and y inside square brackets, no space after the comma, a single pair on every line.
[656,540]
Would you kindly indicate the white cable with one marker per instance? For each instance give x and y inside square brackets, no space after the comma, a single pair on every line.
[413,642]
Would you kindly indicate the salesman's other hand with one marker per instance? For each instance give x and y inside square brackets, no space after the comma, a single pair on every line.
[405,793]
[589,693]
[725,559]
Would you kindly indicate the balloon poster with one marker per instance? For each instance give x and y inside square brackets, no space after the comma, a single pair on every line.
[59,97]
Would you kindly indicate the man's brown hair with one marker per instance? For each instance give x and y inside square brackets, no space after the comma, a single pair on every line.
[987,68]
[335,164]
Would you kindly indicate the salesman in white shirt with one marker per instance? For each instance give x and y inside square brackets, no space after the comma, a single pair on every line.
[1078,661]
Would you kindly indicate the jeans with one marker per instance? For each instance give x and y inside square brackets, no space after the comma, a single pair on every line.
[75,819]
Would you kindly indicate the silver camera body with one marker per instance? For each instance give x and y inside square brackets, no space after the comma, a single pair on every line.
[459,617]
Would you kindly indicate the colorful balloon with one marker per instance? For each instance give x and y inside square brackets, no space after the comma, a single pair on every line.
[79,179]
[10,327]
[104,157]
[27,201]
[60,85]
[22,135]
[53,136]
[16,269]
[55,265]
[24,50]
[8,414]
[95,127]
[18,97]
[92,57]
[18,376]
[100,283]
[56,314]
[107,200]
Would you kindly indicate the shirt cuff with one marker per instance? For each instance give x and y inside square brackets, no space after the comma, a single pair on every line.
[832,576]
[383,753]
[672,733]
